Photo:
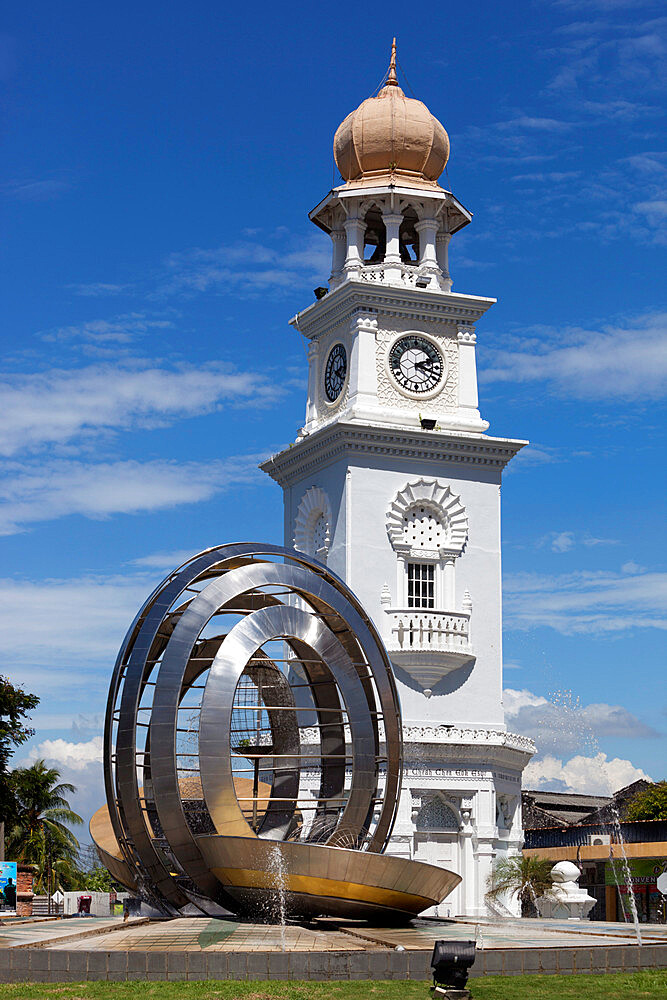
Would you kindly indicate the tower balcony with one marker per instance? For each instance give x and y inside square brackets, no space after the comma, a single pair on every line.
[428,645]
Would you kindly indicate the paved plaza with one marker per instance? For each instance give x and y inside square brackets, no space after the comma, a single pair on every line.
[201,948]
[205,934]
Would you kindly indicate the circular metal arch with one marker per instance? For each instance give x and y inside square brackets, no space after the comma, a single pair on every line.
[204,628]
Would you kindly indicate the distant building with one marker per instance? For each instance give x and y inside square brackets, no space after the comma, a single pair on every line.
[588,829]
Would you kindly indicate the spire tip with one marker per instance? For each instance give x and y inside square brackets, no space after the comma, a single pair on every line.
[392,79]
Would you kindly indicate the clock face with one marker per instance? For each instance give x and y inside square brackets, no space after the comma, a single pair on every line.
[335,372]
[416,364]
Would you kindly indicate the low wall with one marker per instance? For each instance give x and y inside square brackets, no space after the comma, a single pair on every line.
[49,966]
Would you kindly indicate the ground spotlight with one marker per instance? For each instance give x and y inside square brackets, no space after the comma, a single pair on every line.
[450,962]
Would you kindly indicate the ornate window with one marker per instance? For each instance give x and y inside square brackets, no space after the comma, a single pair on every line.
[312,525]
[426,511]
[423,528]
[436,815]
[427,526]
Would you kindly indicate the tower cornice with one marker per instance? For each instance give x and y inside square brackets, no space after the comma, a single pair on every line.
[339,305]
[344,439]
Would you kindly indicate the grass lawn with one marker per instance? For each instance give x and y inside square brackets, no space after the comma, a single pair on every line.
[615,986]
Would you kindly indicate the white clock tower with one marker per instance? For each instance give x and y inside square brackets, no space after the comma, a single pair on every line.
[394,483]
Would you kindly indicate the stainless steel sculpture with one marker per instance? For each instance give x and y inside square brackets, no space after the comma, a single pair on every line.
[253,746]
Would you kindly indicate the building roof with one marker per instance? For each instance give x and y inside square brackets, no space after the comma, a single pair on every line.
[542,809]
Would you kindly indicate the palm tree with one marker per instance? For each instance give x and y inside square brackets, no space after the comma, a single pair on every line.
[526,877]
[40,835]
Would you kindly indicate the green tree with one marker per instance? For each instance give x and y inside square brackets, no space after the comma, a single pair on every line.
[523,876]
[15,705]
[649,804]
[99,880]
[40,835]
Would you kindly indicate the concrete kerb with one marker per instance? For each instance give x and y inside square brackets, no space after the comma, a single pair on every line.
[44,965]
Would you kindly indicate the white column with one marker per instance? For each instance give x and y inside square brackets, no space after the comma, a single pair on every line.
[484,857]
[401,588]
[442,254]
[348,526]
[313,373]
[468,398]
[392,256]
[354,229]
[363,377]
[338,238]
[467,861]
[449,597]
[427,230]
[466,607]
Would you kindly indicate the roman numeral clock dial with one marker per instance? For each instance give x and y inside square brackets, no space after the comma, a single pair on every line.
[335,372]
[416,364]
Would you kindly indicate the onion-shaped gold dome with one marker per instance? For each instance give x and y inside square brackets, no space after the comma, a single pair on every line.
[389,134]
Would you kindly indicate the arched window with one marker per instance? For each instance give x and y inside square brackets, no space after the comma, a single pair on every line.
[312,525]
[436,815]
[427,526]
[424,527]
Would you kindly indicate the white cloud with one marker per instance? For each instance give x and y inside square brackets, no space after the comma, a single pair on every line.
[615,362]
[122,329]
[561,724]
[249,268]
[607,55]
[52,628]
[79,764]
[46,491]
[582,602]
[655,211]
[59,406]
[75,756]
[564,541]
[31,189]
[164,561]
[97,289]
[596,775]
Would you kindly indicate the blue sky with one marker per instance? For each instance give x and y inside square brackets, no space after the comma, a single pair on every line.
[158,166]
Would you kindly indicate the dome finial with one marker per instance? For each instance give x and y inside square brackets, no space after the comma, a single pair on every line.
[392,79]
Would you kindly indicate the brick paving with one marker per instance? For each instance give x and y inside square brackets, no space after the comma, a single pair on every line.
[192,934]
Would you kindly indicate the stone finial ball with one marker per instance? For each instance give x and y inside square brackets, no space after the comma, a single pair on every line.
[565,871]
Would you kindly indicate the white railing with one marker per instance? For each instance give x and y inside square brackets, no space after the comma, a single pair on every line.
[407,274]
[372,272]
[415,630]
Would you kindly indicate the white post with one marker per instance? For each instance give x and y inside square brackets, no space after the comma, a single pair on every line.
[338,238]
[467,609]
[354,229]
[392,256]
[401,588]
[468,398]
[427,230]
[442,254]
[313,373]
[450,587]
[362,378]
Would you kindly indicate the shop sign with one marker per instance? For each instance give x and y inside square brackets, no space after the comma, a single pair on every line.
[643,871]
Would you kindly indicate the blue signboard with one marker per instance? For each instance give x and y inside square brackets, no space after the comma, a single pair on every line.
[7,887]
